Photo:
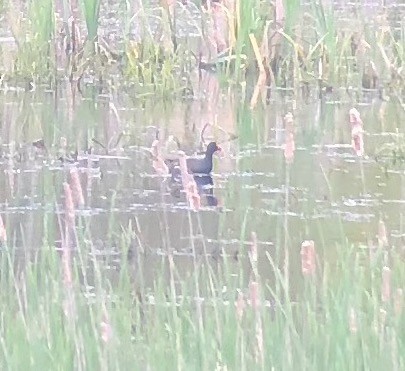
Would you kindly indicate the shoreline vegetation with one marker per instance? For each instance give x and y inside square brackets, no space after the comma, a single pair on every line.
[160,47]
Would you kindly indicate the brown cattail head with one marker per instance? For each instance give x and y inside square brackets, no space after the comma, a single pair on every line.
[308,258]
[386,284]
[3,232]
[69,205]
[355,118]
[76,187]
[352,321]
[358,140]
[106,329]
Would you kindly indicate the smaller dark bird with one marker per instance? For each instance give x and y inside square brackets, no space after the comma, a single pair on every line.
[195,166]
[203,165]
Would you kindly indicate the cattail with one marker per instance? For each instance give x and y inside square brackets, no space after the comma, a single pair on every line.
[382,234]
[69,205]
[76,187]
[398,302]
[254,295]
[308,258]
[386,285]
[253,248]
[3,232]
[358,140]
[106,329]
[355,118]
[240,305]
[352,321]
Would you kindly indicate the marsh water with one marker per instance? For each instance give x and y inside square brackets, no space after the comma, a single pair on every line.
[327,193]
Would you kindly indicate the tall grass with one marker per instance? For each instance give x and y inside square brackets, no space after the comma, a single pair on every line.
[33,37]
[341,320]
[91,11]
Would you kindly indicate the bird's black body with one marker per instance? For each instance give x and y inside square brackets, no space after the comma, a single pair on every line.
[200,168]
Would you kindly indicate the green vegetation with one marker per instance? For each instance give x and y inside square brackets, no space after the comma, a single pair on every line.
[301,46]
[348,315]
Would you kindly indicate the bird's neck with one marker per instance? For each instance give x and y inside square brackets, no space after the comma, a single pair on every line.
[209,155]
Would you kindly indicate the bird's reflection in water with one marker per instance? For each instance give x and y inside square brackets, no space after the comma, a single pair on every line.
[205,186]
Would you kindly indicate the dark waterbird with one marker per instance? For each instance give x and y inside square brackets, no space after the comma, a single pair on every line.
[195,165]
[203,165]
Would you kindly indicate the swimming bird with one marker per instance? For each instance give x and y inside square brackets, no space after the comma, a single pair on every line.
[197,165]
[203,165]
